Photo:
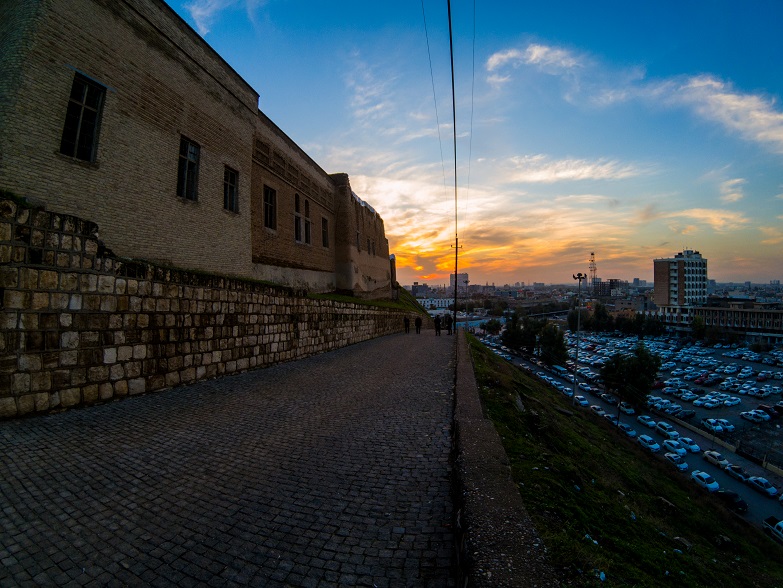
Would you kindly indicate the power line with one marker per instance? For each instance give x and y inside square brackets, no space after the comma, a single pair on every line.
[454,134]
[434,97]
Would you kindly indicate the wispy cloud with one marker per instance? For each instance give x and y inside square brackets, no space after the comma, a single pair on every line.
[205,12]
[731,190]
[718,220]
[545,57]
[772,235]
[541,169]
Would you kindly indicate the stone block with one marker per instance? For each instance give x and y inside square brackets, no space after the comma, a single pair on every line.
[8,408]
[75,302]
[139,352]
[40,301]
[106,391]
[90,394]
[40,381]
[47,280]
[70,397]
[21,383]
[26,404]
[116,372]
[9,277]
[124,352]
[29,363]
[58,300]
[137,386]
[69,358]
[110,355]
[15,299]
[106,284]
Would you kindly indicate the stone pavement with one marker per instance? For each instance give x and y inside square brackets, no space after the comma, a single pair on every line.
[330,471]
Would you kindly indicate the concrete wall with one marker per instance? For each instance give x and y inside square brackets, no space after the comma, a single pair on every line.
[80,326]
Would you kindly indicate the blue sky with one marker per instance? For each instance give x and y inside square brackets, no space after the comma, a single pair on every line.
[633,130]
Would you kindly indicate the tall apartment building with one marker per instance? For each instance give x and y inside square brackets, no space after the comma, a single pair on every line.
[680,280]
[462,281]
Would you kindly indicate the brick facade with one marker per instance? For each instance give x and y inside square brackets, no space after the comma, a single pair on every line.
[162,83]
[79,326]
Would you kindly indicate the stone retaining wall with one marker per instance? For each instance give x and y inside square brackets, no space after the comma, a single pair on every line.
[79,326]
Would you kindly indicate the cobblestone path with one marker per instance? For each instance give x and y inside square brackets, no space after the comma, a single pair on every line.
[330,471]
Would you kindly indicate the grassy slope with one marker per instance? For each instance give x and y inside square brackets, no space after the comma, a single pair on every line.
[580,476]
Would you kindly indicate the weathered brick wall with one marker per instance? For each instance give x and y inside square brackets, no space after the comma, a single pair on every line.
[162,82]
[79,326]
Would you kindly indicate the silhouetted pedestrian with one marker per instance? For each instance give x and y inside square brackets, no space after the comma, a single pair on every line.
[437,325]
[449,322]
[407,322]
[418,325]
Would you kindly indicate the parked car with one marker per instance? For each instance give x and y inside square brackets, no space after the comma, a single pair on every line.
[667,430]
[712,425]
[676,460]
[690,444]
[649,443]
[715,458]
[627,429]
[674,446]
[704,480]
[646,421]
[732,500]
[581,401]
[737,472]
[598,410]
[626,408]
[762,485]
[753,416]
[726,424]
[685,414]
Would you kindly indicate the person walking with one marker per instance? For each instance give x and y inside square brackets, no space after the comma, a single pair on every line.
[437,325]
[418,325]
[449,322]
[407,322]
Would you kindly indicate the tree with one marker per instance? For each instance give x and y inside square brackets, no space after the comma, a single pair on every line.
[553,347]
[492,326]
[698,328]
[631,376]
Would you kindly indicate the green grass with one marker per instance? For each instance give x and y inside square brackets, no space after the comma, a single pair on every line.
[579,476]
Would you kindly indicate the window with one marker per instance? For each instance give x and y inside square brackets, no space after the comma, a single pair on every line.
[270,208]
[187,174]
[231,189]
[297,220]
[325,231]
[80,131]
[308,225]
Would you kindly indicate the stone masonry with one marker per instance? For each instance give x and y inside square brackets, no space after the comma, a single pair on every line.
[81,326]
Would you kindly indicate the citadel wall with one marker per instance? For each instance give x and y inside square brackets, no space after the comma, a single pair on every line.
[80,326]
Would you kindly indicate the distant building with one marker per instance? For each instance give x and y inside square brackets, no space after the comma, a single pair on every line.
[680,280]
[462,281]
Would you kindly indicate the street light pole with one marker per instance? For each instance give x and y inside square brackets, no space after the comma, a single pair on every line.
[579,277]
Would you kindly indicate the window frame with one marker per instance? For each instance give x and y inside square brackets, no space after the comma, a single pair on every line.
[71,139]
[297,219]
[188,165]
[230,189]
[308,229]
[325,232]
[270,208]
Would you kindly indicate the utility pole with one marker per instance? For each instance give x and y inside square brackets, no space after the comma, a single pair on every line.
[579,277]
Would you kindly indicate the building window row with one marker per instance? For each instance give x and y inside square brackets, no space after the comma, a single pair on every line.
[79,140]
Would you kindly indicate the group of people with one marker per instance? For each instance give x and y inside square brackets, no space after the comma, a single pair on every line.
[449,323]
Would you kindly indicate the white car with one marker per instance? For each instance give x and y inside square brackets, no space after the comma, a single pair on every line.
[649,443]
[690,444]
[712,425]
[726,424]
[733,401]
[715,458]
[626,408]
[762,485]
[581,401]
[673,446]
[626,428]
[598,410]
[667,430]
[676,460]
[646,421]
[704,480]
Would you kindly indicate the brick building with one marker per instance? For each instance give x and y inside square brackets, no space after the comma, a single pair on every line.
[118,112]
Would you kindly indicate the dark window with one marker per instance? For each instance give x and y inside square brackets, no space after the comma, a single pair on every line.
[308,225]
[297,220]
[187,173]
[325,232]
[80,132]
[231,189]
[270,208]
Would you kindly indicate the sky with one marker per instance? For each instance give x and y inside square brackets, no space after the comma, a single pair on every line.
[631,130]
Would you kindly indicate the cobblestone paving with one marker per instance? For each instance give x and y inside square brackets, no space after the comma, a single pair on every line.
[330,471]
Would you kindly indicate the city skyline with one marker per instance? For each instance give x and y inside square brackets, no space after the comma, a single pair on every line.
[634,132]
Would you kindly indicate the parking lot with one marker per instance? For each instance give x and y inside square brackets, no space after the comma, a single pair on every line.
[711,388]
